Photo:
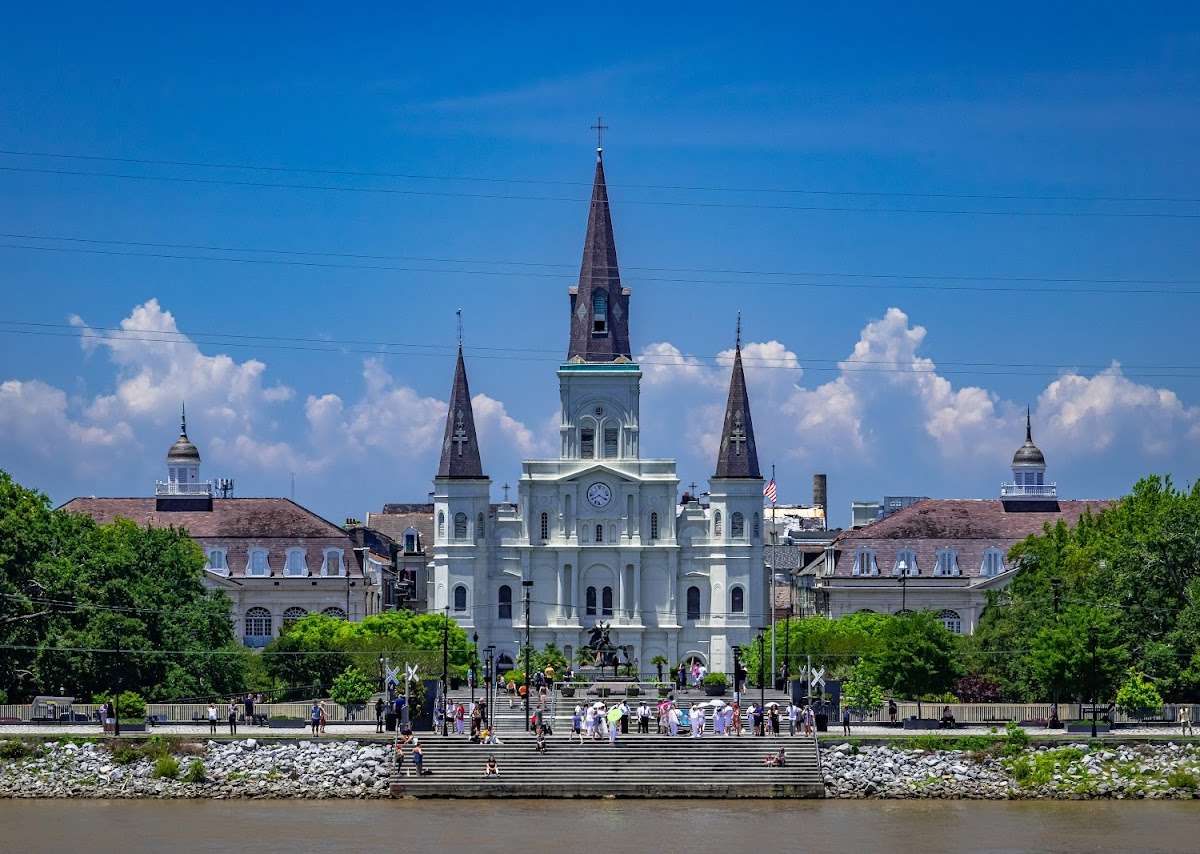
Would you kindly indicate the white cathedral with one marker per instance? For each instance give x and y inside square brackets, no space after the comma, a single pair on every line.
[598,535]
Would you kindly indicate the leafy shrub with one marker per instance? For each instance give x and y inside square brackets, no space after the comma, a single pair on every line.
[1138,697]
[166,767]
[10,748]
[1016,739]
[715,680]
[196,772]
[130,704]
[1181,778]
[156,747]
[930,742]
[125,754]
[3,697]
[974,743]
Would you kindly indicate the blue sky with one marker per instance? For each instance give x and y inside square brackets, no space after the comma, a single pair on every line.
[1041,118]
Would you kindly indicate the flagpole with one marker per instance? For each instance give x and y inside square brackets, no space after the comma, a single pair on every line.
[774,542]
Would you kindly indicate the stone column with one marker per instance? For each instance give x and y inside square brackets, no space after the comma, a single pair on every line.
[575,589]
[620,593]
[558,594]
[637,592]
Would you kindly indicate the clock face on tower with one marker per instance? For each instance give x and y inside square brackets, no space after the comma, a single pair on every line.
[599,494]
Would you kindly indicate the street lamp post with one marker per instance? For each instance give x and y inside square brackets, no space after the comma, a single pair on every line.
[762,684]
[902,568]
[489,681]
[474,665]
[1095,689]
[1056,586]
[527,584]
[445,671]
[382,687]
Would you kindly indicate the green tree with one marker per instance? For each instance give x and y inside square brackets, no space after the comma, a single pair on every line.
[916,656]
[862,691]
[1137,697]
[1080,655]
[550,656]
[834,644]
[351,689]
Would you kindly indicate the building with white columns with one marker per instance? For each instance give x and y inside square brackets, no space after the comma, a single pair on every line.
[598,534]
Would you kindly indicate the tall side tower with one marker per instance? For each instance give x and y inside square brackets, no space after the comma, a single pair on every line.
[599,384]
[737,590]
[461,493]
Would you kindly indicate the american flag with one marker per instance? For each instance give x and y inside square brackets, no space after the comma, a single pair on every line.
[769,490]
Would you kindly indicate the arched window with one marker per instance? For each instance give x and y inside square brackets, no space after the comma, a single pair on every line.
[295,563]
[441,524]
[756,531]
[737,600]
[693,603]
[291,615]
[460,526]
[545,526]
[599,311]
[906,563]
[590,602]
[258,627]
[599,533]
[993,562]
[951,621]
[480,527]
[606,602]
[717,523]
[460,598]
[737,526]
[865,563]
[335,612]
[654,526]
[505,599]
[947,563]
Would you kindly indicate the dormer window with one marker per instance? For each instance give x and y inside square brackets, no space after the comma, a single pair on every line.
[332,564]
[865,562]
[599,312]
[993,562]
[218,561]
[412,541]
[947,563]
[257,563]
[906,563]
[295,563]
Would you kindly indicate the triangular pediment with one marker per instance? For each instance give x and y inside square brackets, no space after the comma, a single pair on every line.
[599,469]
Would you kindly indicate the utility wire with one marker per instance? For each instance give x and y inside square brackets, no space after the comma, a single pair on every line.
[84,334]
[397,191]
[718,360]
[689,282]
[596,266]
[357,173]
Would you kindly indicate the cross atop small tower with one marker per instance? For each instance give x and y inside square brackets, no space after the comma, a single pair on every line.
[599,127]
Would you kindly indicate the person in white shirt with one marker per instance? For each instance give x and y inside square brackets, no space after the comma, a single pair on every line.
[212,718]
[643,716]
[793,712]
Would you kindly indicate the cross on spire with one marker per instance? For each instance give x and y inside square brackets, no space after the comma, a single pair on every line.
[460,334]
[460,432]
[506,488]
[599,127]
[739,330]
[737,437]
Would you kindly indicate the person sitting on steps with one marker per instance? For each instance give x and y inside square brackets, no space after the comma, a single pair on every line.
[490,769]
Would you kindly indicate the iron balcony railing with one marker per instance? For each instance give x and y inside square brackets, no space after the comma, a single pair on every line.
[1023,490]
[172,487]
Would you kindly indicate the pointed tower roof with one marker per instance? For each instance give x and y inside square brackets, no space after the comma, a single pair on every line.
[599,305]
[460,447]
[1029,454]
[183,451]
[738,455]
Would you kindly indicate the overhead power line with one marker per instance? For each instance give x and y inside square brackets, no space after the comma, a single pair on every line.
[1170,372]
[208,247]
[415,176]
[690,282]
[672,203]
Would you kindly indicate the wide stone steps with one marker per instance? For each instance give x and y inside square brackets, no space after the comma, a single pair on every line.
[637,766]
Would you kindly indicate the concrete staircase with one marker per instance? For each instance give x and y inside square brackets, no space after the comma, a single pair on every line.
[638,766]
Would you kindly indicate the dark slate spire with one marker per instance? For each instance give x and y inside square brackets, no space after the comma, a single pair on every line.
[460,448]
[738,456]
[599,305]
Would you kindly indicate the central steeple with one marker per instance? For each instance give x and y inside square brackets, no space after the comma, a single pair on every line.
[599,305]
[738,454]
[460,447]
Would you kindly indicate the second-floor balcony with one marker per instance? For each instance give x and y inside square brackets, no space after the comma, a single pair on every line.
[1044,491]
[174,487]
